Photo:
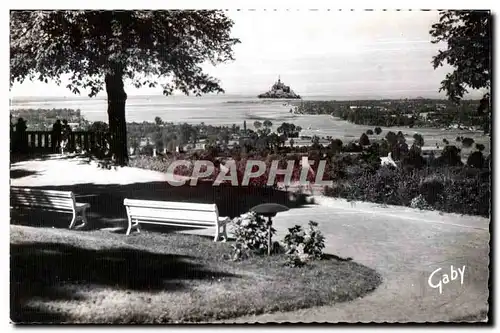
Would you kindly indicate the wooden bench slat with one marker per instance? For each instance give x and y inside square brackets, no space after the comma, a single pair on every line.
[47,209]
[53,193]
[174,214]
[45,203]
[174,221]
[170,204]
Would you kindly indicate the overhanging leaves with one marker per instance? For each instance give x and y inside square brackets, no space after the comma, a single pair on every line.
[468,38]
[146,45]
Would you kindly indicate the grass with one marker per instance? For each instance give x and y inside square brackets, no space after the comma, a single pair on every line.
[99,276]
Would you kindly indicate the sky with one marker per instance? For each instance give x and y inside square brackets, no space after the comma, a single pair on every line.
[320,53]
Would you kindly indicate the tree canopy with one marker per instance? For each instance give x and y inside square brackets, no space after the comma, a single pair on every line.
[468,39]
[147,45]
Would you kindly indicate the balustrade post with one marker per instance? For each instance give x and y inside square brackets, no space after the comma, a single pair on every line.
[86,141]
[92,141]
[46,141]
[72,141]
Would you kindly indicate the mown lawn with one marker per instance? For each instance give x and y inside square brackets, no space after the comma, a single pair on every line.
[59,275]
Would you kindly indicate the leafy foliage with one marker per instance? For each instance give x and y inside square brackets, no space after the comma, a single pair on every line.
[251,233]
[467,142]
[457,189]
[450,156]
[468,38]
[418,139]
[476,160]
[86,44]
[302,246]
[364,140]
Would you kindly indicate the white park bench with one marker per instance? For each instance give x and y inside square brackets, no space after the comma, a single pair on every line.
[49,200]
[182,214]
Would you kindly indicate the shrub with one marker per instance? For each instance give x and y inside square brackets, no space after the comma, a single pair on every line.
[369,132]
[335,146]
[450,156]
[419,202]
[446,142]
[383,148]
[476,160]
[364,140]
[418,140]
[391,138]
[370,158]
[467,142]
[414,158]
[399,151]
[378,130]
[302,246]
[251,233]
[431,189]
[352,147]
[458,139]
[480,146]
[458,189]
[401,137]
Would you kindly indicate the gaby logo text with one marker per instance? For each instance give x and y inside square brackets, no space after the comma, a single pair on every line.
[439,278]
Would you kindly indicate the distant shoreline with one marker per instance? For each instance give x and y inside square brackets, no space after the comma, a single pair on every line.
[229,97]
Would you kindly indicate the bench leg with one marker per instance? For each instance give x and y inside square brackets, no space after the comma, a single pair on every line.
[129,228]
[131,225]
[73,220]
[224,232]
[83,218]
[217,229]
[218,233]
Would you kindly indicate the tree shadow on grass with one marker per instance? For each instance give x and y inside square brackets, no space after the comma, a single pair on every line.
[107,208]
[20,173]
[47,271]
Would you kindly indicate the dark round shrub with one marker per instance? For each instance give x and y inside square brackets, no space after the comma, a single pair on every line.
[399,151]
[391,138]
[383,148]
[414,158]
[352,147]
[378,130]
[458,139]
[401,137]
[450,156]
[476,160]
[431,189]
[480,146]
[418,139]
[335,146]
[467,142]
[446,142]
[369,132]
[364,140]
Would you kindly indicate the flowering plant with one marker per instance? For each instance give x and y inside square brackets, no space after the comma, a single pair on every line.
[304,245]
[251,233]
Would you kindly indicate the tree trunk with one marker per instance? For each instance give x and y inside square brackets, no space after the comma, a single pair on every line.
[116,115]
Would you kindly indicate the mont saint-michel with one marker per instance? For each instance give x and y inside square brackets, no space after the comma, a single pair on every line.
[280,90]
